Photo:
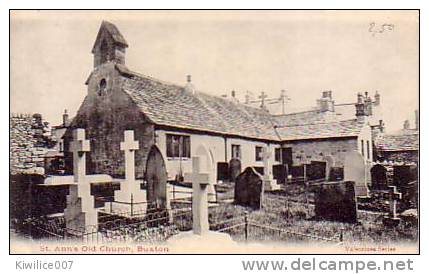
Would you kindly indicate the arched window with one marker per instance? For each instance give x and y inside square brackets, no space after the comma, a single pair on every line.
[102,87]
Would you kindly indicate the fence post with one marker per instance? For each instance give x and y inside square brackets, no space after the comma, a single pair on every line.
[174,192]
[246,226]
[132,206]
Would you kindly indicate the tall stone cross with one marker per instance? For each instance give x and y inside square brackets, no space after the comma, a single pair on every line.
[200,182]
[394,196]
[129,146]
[263,96]
[79,146]
[266,155]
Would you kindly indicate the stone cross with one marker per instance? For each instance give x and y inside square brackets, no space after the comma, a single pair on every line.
[129,146]
[394,196]
[266,155]
[200,182]
[262,97]
[79,146]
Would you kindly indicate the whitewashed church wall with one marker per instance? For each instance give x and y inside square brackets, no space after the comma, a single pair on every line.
[174,165]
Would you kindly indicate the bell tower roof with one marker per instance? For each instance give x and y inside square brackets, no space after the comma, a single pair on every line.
[115,35]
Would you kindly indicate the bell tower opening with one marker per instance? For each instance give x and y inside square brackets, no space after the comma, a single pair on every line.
[109,45]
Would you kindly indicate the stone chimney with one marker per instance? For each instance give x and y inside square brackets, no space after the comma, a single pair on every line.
[65,118]
[233,98]
[406,124]
[189,86]
[360,106]
[326,103]
[377,99]
[368,104]
[416,113]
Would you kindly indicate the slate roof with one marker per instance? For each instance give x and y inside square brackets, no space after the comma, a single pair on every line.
[173,105]
[114,33]
[342,112]
[399,142]
[347,128]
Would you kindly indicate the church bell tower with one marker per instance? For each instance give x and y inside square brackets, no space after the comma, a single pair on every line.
[109,46]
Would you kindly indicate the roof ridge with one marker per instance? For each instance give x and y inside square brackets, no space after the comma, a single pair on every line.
[125,70]
[321,123]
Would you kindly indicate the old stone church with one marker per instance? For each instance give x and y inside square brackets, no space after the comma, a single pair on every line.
[178,119]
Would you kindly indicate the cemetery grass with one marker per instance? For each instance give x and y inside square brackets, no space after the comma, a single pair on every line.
[297,219]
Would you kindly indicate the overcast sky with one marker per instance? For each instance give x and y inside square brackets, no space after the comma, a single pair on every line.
[301,52]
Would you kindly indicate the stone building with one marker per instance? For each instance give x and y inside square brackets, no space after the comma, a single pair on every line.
[179,119]
[400,146]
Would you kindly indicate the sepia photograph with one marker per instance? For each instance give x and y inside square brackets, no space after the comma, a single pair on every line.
[214,132]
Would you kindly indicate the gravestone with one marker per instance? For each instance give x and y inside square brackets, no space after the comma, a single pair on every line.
[249,189]
[222,171]
[156,177]
[402,175]
[200,237]
[130,190]
[200,183]
[280,173]
[80,213]
[379,177]
[329,160]
[270,183]
[394,196]
[355,171]
[208,164]
[316,170]
[336,201]
[336,174]
[297,171]
[234,169]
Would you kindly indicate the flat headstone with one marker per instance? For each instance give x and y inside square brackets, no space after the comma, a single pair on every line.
[222,171]
[402,175]
[234,169]
[379,177]
[249,189]
[336,201]
[329,160]
[355,171]
[316,170]
[280,173]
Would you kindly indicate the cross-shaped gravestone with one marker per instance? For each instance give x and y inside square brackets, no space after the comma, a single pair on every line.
[79,146]
[266,154]
[394,196]
[200,182]
[263,96]
[129,146]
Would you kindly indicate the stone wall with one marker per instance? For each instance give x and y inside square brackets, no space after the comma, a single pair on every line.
[29,141]
[314,150]
[400,156]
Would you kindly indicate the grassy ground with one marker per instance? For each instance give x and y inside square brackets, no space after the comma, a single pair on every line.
[298,218]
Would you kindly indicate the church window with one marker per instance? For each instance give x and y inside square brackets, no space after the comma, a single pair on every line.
[367,149]
[178,146]
[362,147]
[277,155]
[102,87]
[258,153]
[236,151]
